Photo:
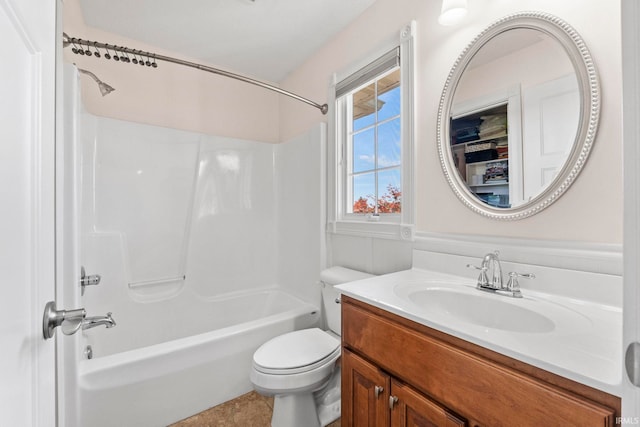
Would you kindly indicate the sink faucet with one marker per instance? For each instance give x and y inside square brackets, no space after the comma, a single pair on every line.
[491,263]
[92,322]
[493,281]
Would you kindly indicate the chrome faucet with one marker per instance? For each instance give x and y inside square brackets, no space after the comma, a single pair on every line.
[493,281]
[92,322]
[491,263]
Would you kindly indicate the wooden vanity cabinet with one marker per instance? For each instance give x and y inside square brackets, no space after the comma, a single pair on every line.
[396,372]
[375,399]
[365,393]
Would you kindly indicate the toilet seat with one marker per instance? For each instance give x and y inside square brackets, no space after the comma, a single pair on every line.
[296,352]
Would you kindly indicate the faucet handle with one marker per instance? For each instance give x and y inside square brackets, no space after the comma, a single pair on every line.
[513,285]
[476,267]
[483,280]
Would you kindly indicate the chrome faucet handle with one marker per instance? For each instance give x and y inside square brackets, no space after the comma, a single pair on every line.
[483,280]
[88,280]
[513,286]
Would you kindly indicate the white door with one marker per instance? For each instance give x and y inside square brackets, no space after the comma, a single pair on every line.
[631,136]
[27,137]
[550,116]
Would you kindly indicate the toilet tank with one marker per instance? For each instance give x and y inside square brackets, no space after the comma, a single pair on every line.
[329,278]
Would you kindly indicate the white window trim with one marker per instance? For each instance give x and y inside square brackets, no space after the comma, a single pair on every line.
[388,226]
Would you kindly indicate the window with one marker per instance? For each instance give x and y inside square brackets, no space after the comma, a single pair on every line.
[374,145]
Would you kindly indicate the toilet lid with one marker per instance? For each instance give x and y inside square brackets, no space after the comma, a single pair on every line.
[295,350]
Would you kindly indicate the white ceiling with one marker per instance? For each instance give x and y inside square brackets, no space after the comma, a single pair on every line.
[265,39]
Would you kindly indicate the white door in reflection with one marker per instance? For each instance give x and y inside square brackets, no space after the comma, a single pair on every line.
[551,112]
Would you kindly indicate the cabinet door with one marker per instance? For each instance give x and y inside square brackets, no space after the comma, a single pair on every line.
[365,393]
[412,409]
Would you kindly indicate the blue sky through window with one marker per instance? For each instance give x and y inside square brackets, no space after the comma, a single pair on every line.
[376,149]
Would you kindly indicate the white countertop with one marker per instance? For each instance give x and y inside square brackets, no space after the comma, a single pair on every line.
[585,344]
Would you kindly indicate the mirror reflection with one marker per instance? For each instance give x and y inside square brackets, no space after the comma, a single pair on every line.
[514,117]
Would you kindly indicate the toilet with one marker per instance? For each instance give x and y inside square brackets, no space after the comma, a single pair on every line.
[299,368]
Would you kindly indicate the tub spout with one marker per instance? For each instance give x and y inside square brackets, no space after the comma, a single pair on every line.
[92,322]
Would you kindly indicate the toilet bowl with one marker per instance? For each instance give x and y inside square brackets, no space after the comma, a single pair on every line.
[299,368]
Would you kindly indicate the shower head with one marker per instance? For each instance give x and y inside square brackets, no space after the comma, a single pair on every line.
[105,89]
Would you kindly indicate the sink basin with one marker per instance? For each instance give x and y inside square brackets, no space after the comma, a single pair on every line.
[482,310]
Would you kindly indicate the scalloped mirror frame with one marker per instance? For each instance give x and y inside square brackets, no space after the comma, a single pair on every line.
[589,86]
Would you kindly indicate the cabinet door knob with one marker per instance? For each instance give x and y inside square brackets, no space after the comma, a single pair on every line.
[377,390]
[392,401]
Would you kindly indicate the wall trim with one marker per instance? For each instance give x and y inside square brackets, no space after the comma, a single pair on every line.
[380,230]
[604,258]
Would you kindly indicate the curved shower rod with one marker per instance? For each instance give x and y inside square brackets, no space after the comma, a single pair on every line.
[85,47]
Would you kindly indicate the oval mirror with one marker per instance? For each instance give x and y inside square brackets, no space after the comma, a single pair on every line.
[518,116]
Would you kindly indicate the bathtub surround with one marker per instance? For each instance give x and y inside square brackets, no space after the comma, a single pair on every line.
[207,247]
[195,206]
[151,172]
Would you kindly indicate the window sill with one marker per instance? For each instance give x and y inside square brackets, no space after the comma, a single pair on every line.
[379,229]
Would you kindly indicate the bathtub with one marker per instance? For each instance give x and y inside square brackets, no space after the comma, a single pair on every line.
[158,384]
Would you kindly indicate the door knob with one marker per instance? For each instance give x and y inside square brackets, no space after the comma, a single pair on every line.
[632,363]
[71,320]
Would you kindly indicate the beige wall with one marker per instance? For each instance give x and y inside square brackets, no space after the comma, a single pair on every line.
[590,211]
[171,95]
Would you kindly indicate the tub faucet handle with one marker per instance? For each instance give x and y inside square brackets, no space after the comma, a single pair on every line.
[69,320]
[88,280]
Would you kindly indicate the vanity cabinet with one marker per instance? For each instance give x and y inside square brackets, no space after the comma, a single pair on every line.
[396,372]
[378,400]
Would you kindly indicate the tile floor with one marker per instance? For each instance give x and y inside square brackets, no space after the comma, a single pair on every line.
[248,410]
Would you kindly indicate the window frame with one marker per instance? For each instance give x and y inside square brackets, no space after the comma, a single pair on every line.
[385,225]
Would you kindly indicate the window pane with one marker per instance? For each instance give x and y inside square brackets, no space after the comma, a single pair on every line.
[364,102]
[364,187]
[389,144]
[364,156]
[389,96]
[389,191]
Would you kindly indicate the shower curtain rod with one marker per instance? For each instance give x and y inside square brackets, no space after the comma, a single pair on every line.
[86,46]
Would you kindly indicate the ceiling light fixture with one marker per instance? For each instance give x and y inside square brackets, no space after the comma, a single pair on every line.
[452,12]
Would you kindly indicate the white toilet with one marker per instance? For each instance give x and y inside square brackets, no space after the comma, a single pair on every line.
[299,368]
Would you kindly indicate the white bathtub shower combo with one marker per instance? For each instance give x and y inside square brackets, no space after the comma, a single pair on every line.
[185,230]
